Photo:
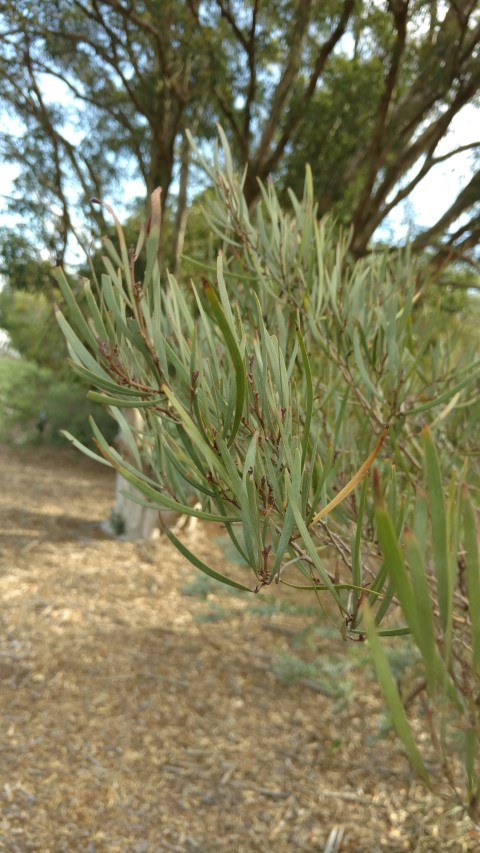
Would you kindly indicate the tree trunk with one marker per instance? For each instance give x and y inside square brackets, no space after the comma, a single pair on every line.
[182,210]
[128,519]
[131,520]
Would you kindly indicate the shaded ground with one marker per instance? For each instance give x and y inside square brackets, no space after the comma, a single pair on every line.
[144,710]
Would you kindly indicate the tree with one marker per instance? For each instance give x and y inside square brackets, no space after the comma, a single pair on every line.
[364,91]
[383,111]
[22,267]
[28,320]
[135,77]
[26,301]
[269,391]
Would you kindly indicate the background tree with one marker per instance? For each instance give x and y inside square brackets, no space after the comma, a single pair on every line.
[364,91]
[135,76]
[26,301]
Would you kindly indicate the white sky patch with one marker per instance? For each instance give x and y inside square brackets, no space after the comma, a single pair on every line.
[54,90]
[437,191]
[8,173]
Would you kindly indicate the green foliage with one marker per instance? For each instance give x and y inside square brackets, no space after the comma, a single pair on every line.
[249,416]
[269,388]
[341,114]
[23,268]
[440,598]
[329,677]
[29,320]
[201,244]
[35,405]
[451,311]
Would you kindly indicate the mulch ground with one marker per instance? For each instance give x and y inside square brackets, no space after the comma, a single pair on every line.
[145,710]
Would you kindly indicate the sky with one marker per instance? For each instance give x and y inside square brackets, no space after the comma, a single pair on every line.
[438,190]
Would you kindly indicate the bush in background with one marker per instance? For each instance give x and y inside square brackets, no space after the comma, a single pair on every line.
[35,405]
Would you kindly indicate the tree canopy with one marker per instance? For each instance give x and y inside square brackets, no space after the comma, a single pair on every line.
[363,90]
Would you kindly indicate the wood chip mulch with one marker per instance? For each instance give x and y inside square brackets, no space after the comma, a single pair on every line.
[146,711]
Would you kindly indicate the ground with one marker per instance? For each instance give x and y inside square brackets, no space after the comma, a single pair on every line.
[145,710]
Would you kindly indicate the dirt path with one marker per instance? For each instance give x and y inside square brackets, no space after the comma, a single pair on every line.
[144,710]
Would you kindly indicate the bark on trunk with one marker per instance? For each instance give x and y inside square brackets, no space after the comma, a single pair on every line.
[182,211]
[128,519]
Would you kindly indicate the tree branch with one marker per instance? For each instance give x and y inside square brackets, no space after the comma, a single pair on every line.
[374,209]
[464,201]
[252,85]
[470,146]
[226,12]
[117,115]
[399,9]
[263,164]
[283,89]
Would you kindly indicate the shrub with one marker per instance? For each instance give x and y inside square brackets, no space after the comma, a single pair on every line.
[270,390]
[36,405]
[29,320]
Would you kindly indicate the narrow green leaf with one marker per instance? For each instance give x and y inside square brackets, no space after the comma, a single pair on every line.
[147,486]
[341,422]
[153,239]
[121,403]
[401,631]
[422,602]
[325,468]
[199,564]
[228,165]
[473,575]
[225,298]
[189,449]
[360,364]
[235,355]
[85,450]
[124,257]
[388,594]
[212,270]
[78,349]
[420,520]
[356,553]
[287,530]
[250,456]
[443,569]
[393,557]
[97,318]
[128,436]
[115,304]
[440,398]
[107,243]
[471,745]
[310,547]
[392,696]
[194,433]
[308,395]
[105,384]
[75,315]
